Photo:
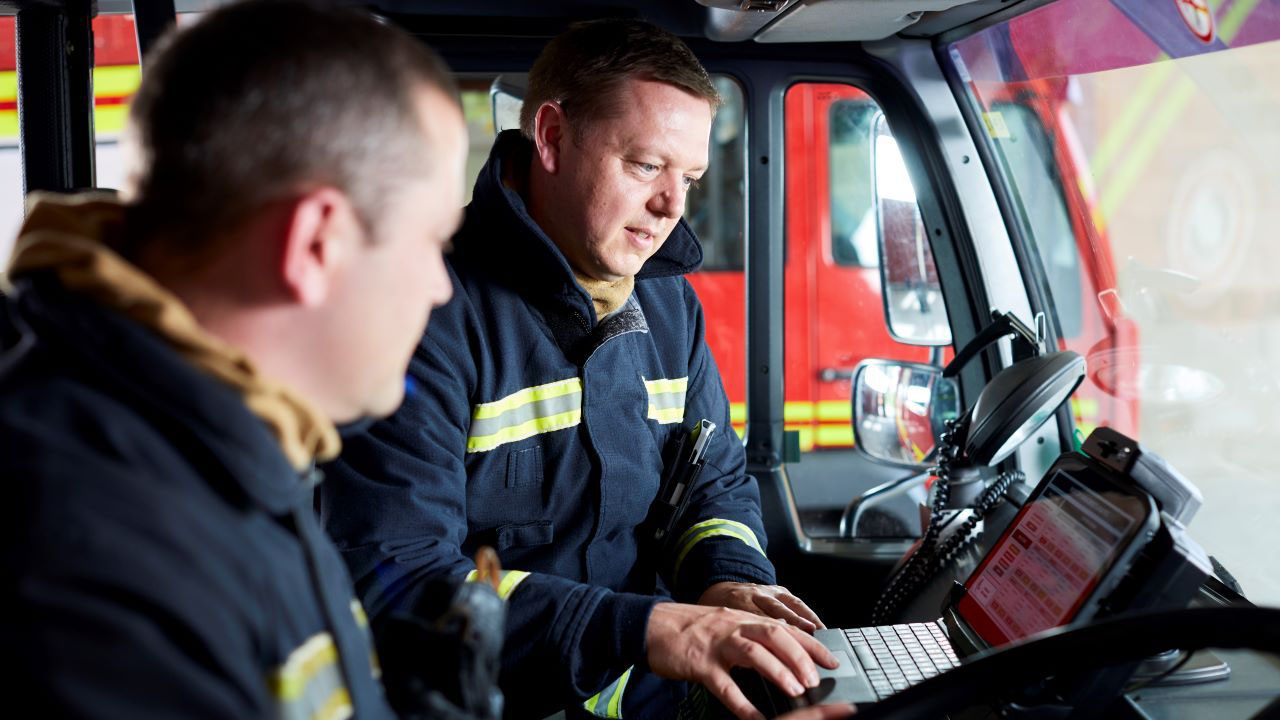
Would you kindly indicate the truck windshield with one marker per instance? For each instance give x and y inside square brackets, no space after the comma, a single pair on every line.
[1139,146]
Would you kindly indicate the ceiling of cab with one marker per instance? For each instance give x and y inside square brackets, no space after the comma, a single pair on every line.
[845,20]
[764,21]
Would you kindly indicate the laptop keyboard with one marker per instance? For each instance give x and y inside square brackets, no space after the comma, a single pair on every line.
[898,656]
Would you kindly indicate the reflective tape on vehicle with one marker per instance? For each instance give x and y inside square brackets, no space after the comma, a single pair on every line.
[608,702]
[666,399]
[523,414]
[309,684]
[715,527]
[508,580]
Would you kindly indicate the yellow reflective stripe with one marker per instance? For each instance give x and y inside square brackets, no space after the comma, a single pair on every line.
[615,702]
[667,385]
[713,532]
[337,707]
[116,80]
[614,691]
[796,411]
[1084,408]
[737,413]
[832,410]
[666,416]
[715,527]
[806,435]
[526,396]
[527,429]
[666,399]
[357,610]
[290,679]
[508,580]
[719,521]
[835,436]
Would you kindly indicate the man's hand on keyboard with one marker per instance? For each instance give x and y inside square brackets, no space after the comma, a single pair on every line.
[702,644]
[768,600]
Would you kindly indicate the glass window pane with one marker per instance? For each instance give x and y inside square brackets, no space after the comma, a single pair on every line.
[478,112]
[1141,149]
[834,307]
[716,210]
[853,218]
[116,75]
[10,157]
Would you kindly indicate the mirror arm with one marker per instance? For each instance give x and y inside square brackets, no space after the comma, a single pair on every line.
[1003,324]
[875,496]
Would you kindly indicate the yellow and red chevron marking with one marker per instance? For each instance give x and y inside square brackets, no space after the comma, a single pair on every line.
[823,424]
[113,86]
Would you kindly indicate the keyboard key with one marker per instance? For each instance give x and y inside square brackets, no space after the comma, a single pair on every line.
[865,656]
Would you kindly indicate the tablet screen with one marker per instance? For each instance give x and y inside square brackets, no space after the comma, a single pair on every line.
[1050,558]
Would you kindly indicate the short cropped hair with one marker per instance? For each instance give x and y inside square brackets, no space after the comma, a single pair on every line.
[265,98]
[583,67]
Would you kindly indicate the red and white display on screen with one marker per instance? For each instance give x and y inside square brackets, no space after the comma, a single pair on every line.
[1053,555]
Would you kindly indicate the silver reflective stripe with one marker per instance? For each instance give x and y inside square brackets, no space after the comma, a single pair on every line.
[309,684]
[714,527]
[525,413]
[508,581]
[666,399]
[608,702]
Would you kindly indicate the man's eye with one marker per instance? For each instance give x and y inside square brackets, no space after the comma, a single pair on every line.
[690,182]
[647,168]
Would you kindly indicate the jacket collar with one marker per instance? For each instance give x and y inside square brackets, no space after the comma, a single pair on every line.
[75,237]
[206,420]
[498,220]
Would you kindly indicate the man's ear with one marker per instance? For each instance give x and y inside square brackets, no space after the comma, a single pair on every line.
[316,232]
[549,135]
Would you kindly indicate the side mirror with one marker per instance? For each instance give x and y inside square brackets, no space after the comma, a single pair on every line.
[506,95]
[913,305]
[899,409]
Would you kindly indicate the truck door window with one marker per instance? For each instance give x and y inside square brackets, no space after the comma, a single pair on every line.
[1031,166]
[853,219]
[835,315]
[716,210]
[1159,134]
[10,157]
[116,75]
[115,78]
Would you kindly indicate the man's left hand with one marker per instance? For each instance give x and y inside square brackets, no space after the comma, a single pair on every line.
[772,601]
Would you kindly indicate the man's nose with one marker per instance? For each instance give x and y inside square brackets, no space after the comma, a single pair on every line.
[668,202]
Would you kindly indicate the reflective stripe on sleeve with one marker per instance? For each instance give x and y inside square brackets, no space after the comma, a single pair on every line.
[715,527]
[525,413]
[508,580]
[608,702]
[309,684]
[666,399]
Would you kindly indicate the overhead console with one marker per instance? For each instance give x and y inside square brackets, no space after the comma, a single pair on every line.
[790,21]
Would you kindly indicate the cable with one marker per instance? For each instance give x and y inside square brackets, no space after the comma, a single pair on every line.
[930,558]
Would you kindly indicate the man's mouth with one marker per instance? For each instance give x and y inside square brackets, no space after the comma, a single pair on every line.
[641,234]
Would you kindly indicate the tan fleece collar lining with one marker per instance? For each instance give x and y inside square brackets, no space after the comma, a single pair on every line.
[73,237]
[606,296]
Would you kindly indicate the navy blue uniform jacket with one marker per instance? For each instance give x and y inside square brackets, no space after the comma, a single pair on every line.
[535,428]
[161,558]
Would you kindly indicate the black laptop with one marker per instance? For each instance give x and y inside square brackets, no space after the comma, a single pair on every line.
[1064,558]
